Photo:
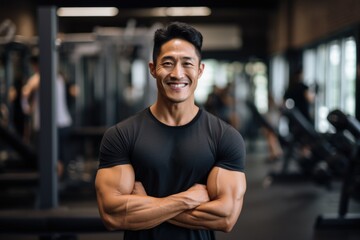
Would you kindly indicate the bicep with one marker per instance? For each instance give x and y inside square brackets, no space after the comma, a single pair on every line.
[228,187]
[110,183]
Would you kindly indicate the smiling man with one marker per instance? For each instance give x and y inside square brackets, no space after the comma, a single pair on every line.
[172,171]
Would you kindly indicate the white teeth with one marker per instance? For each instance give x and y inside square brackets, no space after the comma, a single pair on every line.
[180,85]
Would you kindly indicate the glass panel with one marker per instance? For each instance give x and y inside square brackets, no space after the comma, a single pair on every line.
[321,111]
[333,78]
[278,75]
[206,82]
[309,63]
[261,87]
[348,76]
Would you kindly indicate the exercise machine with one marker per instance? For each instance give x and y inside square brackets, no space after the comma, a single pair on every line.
[348,127]
[316,159]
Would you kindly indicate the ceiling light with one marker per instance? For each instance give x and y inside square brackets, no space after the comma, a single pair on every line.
[180,11]
[87,11]
[187,11]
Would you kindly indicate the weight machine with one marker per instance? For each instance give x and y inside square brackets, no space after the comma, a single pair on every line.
[348,135]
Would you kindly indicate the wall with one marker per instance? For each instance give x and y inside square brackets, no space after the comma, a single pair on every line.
[21,13]
[297,23]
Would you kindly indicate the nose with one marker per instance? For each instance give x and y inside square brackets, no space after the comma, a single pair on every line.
[177,72]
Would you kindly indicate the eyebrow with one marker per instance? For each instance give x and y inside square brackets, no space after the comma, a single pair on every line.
[172,58]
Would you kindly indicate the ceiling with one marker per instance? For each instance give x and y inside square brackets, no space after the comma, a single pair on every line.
[162,3]
[246,13]
[250,16]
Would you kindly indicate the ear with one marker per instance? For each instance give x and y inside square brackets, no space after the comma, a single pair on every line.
[152,69]
[201,69]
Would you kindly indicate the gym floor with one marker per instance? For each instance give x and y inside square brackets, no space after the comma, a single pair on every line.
[276,211]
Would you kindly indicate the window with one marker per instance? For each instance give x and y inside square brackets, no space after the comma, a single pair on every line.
[279,78]
[332,68]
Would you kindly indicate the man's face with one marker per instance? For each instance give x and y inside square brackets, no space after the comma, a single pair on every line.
[177,71]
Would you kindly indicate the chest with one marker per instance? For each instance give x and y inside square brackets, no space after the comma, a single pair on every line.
[181,149]
[172,160]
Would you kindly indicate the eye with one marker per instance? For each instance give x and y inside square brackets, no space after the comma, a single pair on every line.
[167,64]
[187,64]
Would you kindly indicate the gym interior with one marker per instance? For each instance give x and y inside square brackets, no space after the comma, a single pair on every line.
[303,175]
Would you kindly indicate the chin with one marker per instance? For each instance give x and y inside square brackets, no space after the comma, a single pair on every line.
[175,99]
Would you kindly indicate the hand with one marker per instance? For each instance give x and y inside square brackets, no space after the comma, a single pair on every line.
[198,193]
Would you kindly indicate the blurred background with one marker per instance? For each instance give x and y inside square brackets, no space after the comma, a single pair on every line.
[285,73]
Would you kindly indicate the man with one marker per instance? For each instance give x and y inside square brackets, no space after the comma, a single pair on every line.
[172,171]
[300,94]
[31,106]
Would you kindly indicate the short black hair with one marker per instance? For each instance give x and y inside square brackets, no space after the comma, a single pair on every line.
[177,30]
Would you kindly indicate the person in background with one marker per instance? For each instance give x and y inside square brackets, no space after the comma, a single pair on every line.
[30,103]
[273,117]
[220,102]
[173,170]
[300,94]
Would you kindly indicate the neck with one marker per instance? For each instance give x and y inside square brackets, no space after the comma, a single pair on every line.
[174,114]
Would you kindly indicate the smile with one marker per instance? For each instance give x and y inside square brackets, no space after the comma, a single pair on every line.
[177,85]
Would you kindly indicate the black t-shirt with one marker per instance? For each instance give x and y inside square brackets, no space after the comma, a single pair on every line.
[168,159]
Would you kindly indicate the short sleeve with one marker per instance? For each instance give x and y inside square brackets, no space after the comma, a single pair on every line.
[114,148]
[231,154]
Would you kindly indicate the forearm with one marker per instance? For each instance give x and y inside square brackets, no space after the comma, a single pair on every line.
[226,190]
[215,215]
[134,212]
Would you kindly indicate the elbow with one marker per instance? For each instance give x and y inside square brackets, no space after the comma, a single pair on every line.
[111,223]
[228,228]
[110,227]
[227,225]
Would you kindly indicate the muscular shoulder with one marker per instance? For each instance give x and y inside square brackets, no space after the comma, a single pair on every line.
[117,142]
[229,144]
[217,126]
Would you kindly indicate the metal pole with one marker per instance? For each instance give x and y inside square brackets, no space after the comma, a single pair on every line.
[47,24]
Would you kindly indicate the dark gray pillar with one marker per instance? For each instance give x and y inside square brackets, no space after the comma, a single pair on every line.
[357,83]
[47,25]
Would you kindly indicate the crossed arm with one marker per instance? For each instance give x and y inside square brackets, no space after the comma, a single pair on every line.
[123,203]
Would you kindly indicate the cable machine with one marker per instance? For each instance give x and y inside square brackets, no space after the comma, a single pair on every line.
[110,68]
